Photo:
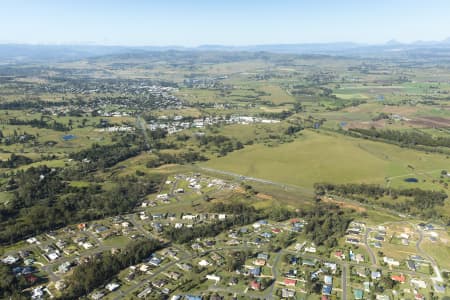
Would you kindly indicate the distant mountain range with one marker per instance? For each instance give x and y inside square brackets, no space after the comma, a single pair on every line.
[16,53]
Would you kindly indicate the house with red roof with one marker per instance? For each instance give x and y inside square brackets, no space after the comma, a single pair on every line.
[255,285]
[339,254]
[399,278]
[31,278]
[289,282]
[259,262]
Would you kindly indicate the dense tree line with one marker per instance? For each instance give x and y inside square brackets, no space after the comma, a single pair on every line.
[339,104]
[41,123]
[129,145]
[124,147]
[381,116]
[101,269]
[16,138]
[15,161]
[222,143]
[277,115]
[293,129]
[106,156]
[36,185]
[180,158]
[185,235]
[29,104]
[44,201]
[417,201]
[406,138]
[236,259]
[10,284]
[241,215]
[280,213]
[325,224]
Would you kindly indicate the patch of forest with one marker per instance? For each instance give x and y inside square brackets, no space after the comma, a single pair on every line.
[418,202]
[411,139]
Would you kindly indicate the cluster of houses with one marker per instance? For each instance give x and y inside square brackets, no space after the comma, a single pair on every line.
[122,128]
[139,94]
[351,255]
[324,275]
[355,232]
[51,253]
[205,82]
[194,183]
[22,265]
[160,284]
[415,284]
[177,123]
[148,266]
[38,293]
[161,220]
[110,287]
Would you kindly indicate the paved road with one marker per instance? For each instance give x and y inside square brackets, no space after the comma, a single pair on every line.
[373,258]
[438,276]
[344,281]
[260,180]
[269,292]
[138,225]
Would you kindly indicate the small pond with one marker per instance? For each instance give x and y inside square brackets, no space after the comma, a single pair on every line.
[68,137]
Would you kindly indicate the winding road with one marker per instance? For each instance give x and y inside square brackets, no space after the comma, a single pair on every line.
[438,277]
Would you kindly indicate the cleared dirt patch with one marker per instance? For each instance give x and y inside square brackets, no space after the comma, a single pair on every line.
[352,109]
[239,190]
[344,204]
[401,110]
[431,122]
[366,124]
[264,196]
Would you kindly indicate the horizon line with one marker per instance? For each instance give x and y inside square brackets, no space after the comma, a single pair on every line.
[87,43]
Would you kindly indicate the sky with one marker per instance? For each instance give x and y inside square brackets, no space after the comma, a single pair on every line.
[225,22]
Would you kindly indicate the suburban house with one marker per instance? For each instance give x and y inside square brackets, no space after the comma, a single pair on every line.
[399,278]
[255,285]
[326,290]
[358,294]
[289,282]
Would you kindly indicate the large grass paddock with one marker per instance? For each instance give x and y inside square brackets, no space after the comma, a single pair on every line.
[324,157]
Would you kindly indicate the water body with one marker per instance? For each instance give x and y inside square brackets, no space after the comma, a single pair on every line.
[413,180]
[68,137]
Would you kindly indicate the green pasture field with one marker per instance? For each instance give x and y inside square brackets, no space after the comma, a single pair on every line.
[322,157]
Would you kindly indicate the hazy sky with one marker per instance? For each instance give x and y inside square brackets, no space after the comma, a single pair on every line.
[231,22]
